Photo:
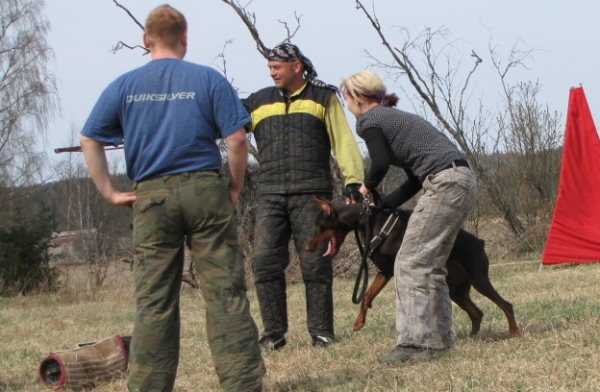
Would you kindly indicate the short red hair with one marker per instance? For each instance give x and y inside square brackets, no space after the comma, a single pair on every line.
[165,26]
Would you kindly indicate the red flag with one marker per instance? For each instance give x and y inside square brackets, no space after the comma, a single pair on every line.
[574,234]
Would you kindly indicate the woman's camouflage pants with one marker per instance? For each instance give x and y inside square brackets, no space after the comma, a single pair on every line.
[423,307]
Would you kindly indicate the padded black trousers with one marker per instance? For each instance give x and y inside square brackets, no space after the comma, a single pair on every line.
[278,219]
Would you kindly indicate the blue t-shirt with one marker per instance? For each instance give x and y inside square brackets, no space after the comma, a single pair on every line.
[169,114]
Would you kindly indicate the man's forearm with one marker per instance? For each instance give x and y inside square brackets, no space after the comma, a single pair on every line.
[237,156]
[95,159]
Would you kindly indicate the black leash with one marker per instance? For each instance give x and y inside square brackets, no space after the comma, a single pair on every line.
[363,272]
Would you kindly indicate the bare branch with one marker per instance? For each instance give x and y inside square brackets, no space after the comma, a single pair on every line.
[249,20]
[394,52]
[130,14]
[402,60]
[462,92]
[221,56]
[223,67]
[428,85]
[120,45]
[291,35]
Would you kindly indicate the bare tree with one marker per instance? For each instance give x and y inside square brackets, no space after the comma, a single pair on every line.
[28,94]
[527,175]
[513,149]
[98,235]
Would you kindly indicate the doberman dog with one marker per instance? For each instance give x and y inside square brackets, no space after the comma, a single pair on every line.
[467,265]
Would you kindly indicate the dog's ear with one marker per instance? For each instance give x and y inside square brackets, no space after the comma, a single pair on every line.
[326,206]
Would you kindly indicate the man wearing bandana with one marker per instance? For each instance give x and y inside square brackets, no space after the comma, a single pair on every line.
[297,124]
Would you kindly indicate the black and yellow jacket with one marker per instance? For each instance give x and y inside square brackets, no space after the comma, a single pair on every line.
[295,137]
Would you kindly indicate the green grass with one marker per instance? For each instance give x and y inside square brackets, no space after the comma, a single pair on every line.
[558,310]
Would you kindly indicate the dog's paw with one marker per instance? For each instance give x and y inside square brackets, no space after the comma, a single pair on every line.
[358,324]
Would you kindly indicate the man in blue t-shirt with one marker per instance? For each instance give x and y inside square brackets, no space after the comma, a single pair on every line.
[169,114]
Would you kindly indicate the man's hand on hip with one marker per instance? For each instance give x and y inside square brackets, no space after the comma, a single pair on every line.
[125,199]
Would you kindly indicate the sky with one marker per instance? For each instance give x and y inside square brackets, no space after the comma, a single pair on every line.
[334,35]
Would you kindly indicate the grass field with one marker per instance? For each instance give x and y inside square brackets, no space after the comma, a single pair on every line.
[558,310]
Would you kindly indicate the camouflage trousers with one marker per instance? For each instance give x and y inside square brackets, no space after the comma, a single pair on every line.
[423,307]
[192,208]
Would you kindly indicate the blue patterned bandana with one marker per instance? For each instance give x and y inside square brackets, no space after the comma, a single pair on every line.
[286,52]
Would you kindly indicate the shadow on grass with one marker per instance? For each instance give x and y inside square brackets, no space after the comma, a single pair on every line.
[545,326]
[315,383]
[531,328]
[490,336]
[483,334]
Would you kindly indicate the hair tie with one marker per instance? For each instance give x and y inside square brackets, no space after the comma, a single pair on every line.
[379,95]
